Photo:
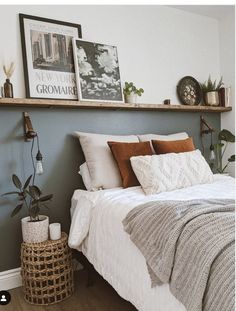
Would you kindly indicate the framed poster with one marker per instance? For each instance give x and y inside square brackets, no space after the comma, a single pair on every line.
[97,72]
[48,57]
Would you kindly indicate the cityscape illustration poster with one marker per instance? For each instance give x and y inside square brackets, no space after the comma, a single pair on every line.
[49,59]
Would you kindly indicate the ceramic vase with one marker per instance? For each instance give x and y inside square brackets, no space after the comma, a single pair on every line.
[8,89]
[35,231]
[131,99]
[212,98]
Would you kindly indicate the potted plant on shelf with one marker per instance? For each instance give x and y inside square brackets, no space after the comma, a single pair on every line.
[131,92]
[224,138]
[211,91]
[34,226]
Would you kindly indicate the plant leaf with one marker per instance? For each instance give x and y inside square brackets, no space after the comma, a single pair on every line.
[34,202]
[34,192]
[27,191]
[226,136]
[17,209]
[232,158]
[16,181]
[219,145]
[45,205]
[4,69]
[12,192]
[34,211]
[46,198]
[27,182]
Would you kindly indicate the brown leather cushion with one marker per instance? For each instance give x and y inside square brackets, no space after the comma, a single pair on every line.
[175,146]
[122,153]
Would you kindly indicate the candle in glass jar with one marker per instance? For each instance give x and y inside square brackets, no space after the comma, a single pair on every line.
[55,231]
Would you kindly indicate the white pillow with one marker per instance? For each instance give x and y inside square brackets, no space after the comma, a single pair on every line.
[175,136]
[166,172]
[102,167]
[150,137]
[84,172]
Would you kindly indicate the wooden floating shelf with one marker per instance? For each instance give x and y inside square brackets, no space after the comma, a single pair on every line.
[50,103]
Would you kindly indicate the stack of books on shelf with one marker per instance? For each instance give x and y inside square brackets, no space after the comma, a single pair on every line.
[224,96]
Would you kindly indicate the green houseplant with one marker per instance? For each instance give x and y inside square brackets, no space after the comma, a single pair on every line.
[210,91]
[224,138]
[34,226]
[131,92]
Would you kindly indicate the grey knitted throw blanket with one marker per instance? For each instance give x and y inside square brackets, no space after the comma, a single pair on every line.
[190,245]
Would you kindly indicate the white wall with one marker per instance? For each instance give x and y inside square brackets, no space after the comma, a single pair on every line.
[157,45]
[227,68]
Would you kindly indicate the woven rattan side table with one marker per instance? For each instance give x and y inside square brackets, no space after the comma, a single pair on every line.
[46,270]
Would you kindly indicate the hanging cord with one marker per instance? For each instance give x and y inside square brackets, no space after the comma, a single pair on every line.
[212,140]
[32,159]
[37,142]
[202,144]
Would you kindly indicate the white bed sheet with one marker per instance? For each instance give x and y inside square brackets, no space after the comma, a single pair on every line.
[97,230]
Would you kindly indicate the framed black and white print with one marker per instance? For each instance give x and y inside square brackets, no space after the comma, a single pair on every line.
[97,72]
[48,57]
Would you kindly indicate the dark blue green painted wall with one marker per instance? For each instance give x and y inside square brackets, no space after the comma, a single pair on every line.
[62,156]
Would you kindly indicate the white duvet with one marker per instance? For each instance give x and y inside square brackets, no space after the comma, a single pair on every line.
[97,230]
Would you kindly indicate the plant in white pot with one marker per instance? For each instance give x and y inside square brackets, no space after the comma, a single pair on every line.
[34,226]
[131,92]
[210,91]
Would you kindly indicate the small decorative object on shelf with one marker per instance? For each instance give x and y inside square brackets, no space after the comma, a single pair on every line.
[189,91]
[167,102]
[131,93]
[224,96]
[227,96]
[35,226]
[46,270]
[8,87]
[211,91]
[55,231]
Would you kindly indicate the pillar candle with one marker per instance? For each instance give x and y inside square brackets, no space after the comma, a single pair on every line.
[55,231]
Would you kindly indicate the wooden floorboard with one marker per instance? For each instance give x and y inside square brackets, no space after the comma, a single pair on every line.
[99,297]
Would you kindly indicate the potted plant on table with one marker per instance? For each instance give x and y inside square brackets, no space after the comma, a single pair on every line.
[224,138]
[131,92]
[210,91]
[34,226]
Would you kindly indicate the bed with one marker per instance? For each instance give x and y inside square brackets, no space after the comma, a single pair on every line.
[97,231]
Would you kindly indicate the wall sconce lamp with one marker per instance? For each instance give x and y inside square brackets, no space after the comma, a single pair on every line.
[31,134]
[205,128]
[28,127]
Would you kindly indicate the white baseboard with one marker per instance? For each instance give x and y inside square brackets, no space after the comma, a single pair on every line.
[10,279]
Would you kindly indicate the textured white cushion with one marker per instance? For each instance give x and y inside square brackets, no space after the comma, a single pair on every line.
[84,172]
[102,167]
[166,172]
